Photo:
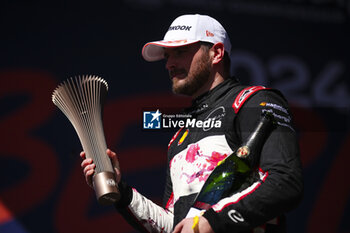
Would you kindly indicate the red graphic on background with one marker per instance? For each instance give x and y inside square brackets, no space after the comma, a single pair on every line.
[19,143]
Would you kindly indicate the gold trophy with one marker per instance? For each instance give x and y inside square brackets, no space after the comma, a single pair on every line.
[81,99]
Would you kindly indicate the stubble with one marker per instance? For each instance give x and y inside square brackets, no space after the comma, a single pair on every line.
[196,78]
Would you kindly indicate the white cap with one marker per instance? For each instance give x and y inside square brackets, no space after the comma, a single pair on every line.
[185,30]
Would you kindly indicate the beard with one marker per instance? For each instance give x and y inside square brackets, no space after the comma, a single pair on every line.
[197,77]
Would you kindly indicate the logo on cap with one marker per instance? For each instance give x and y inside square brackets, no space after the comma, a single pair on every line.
[209,34]
[180,27]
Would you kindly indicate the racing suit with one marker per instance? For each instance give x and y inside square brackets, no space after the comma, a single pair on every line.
[194,152]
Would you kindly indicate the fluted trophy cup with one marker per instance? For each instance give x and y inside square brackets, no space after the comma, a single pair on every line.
[81,99]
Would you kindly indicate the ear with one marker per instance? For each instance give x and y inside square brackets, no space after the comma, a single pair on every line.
[217,52]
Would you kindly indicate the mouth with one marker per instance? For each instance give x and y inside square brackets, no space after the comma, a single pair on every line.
[177,73]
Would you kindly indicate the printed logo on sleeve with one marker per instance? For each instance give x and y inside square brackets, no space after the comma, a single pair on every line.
[274,106]
[235,216]
[244,95]
[280,114]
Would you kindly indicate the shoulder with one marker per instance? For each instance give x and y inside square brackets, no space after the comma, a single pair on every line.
[267,100]
[255,93]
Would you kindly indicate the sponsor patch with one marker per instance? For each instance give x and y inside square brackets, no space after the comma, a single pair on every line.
[216,115]
[274,106]
[174,137]
[244,95]
[182,139]
[278,117]
[235,216]
[282,120]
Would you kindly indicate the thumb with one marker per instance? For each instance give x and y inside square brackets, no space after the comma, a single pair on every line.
[179,227]
[115,163]
[113,156]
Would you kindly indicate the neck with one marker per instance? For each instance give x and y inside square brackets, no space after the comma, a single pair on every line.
[214,80]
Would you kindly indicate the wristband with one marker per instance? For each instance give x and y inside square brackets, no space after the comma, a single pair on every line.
[195,227]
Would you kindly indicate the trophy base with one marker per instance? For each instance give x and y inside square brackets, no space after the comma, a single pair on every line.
[106,188]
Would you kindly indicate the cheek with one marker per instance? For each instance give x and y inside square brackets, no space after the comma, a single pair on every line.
[197,61]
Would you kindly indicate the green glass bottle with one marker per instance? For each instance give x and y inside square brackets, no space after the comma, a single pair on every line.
[229,175]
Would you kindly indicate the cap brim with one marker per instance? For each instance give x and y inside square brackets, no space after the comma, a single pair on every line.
[154,51]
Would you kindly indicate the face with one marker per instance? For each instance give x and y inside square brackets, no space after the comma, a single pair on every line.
[189,69]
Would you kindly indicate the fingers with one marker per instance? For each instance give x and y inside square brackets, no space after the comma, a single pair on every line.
[115,162]
[89,172]
[111,154]
[82,155]
[88,169]
[86,162]
[179,226]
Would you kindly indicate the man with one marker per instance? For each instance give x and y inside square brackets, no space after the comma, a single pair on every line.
[197,49]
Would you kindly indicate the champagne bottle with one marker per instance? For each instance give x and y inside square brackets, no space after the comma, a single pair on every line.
[232,172]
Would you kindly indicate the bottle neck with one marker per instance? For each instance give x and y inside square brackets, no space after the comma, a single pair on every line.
[257,138]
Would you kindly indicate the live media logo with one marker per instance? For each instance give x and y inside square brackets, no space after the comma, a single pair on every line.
[152,119]
[157,120]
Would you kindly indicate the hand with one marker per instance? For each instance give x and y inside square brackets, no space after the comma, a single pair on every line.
[89,167]
[185,226]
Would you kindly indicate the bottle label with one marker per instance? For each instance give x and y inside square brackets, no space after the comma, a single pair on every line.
[243,152]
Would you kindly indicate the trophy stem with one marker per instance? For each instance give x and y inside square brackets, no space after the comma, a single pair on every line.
[106,188]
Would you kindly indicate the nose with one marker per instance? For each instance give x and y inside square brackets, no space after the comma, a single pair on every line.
[170,63]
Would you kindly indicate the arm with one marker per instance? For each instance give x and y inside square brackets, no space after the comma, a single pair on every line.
[140,212]
[279,188]
[143,214]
